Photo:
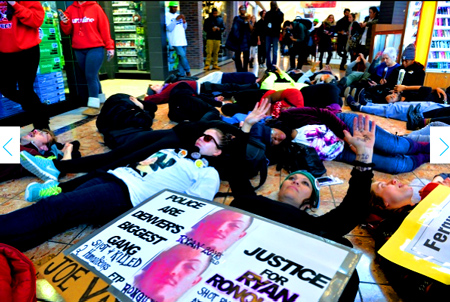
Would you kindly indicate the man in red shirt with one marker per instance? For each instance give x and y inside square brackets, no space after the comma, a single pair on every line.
[19,54]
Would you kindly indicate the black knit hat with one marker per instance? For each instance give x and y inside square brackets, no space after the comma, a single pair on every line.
[409,53]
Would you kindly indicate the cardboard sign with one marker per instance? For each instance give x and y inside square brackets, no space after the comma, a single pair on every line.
[422,242]
[174,247]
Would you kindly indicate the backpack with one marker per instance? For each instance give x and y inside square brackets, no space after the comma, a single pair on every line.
[297,156]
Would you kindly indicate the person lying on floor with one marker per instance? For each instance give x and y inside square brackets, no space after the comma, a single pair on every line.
[311,77]
[138,146]
[41,143]
[391,201]
[300,190]
[428,106]
[159,94]
[324,130]
[102,195]
[123,114]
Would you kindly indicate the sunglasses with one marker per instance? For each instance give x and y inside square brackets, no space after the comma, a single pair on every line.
[207,138]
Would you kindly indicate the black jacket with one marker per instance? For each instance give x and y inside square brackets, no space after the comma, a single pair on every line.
[414,76]
[273,20]
[208,28]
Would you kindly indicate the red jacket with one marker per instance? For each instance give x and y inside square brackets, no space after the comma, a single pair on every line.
[88,25]
[163,96]
[290,97]
[22,32]
[17,276]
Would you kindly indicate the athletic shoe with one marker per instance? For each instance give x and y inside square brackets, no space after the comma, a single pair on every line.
[216,67]
[362,97]
[347,91]
[206,68]
[41,167]
[414,120]
[353,93]
[353,104]
[36,191]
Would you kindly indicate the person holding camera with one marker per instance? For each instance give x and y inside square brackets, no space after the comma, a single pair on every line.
[214,28]
[89,26]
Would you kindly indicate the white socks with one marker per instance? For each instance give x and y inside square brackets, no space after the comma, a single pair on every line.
[94,102]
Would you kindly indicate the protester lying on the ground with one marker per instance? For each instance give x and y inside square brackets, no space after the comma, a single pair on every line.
[300,190]
[357,70]
[324,130]
[414,71]
[391,202]
[279,80]
[423,135]
[123,114]
[100,196]
[159,94]
[322,76]
[41,143]
[417,114]
[137,146]
[219,77]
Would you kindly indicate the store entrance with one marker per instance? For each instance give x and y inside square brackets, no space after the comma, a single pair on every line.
[131,41]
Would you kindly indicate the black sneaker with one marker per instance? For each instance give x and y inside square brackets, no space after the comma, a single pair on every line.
[353,104]
[414,120]
[362,97]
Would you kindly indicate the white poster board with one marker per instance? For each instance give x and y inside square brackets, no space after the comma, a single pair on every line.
[174,247]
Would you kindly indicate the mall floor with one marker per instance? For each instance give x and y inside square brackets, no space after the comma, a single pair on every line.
[74,126]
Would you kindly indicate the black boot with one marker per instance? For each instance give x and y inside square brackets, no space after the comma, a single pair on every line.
[414,120]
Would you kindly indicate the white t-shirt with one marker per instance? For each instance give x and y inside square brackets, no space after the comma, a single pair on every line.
[321,138]
[166,170]
[175,30]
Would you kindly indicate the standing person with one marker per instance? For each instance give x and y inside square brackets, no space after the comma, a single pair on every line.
[19,54]
[274,18]
[239,38]
[176,34]
[253,43]
[353,36]
[89,26]
[261,26]
[326,31]
[214,28]
[342,30]
[366,37]
[300,37]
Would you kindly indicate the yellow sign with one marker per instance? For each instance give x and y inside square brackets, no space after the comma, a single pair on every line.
[75,282]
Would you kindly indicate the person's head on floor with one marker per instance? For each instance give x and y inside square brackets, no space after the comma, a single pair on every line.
[41,139]
[280,132]
[324,78]
[300,189]
[154,89]
[221,229]
[390,195]
[389,56]
[173,6]
[373,12]
[409,55]
[212,142]
[393,97]
[172,273]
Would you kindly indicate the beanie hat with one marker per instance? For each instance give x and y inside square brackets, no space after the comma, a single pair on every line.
[173,3]
[409,53]
[315,196]
[427,189]
[316,20]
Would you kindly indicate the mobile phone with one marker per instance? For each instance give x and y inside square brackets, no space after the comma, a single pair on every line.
[61,13]
[324,179]
[329,180]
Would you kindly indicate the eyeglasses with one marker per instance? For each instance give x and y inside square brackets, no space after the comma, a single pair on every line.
[207,138]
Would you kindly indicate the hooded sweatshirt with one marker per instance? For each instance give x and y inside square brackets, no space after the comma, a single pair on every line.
[88,25]
[22,32]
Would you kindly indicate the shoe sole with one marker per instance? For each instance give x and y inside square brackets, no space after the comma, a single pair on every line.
[33,168]
[27,194]
[353,93]
[346,92]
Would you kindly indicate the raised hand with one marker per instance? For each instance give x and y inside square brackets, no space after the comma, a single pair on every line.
[363,138]
[257,114]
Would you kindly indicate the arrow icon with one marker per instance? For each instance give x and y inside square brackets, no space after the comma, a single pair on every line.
[445,148]
[11,139]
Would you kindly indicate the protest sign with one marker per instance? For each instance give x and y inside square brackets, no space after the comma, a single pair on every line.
[174,247]
[422,242]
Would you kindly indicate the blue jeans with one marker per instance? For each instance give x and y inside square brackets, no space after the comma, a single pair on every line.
[398,110]
[183,64]
[271,41]
[389,150]
[90,60]
[99,200]
[423,135]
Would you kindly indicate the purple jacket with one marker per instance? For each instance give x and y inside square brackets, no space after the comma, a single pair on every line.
[299,117]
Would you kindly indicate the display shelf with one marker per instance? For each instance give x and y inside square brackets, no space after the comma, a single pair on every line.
[439,52]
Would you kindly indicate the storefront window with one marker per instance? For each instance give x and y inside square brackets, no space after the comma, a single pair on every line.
[131,43]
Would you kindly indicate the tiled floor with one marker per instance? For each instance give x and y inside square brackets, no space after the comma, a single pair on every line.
[373,287]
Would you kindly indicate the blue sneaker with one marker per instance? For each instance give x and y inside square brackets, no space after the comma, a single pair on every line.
[41,167]
[36,191]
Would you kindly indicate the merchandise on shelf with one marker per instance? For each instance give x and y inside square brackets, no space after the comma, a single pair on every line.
[439,54]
